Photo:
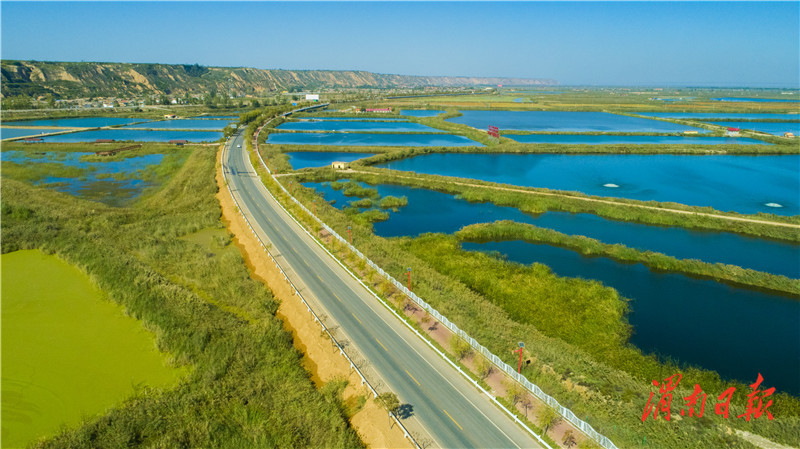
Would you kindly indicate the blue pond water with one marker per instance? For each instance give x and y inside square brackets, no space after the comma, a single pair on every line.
[182,124]
[362,139]
[10,133]
[304,159]
[92,184]
[137,135]
[728,115]
[431,211]
[565,121]
[352,125]
[776,129]
[218,117]
[578,139]
[745,184]
[420,112]
[756,100]
[84,122]
[736,332]
[359,119]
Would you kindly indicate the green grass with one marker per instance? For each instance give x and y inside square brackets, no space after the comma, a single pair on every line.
[67,352]
[104,190]
[246,387]
[732,274]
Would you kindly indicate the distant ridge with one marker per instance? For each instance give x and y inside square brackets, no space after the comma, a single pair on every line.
[82,79]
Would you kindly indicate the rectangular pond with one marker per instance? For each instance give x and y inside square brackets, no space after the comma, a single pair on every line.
[693,321]
[11,133]
[744,184]
[358,126]
[432,211]
[756,100]
[604,139]
[566,121]
[359,119]
[137,135]
[774,128]
[721,115]
[305,159]
[218,117]
[363,139]
[82,122]
[182,124]
[420,112]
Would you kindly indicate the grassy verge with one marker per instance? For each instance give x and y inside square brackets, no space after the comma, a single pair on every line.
[247,387]
[731,274]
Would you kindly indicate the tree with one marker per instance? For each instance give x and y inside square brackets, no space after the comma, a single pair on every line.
[388,401]
[483,366]
[569,438]
[514,391]
[460,347]
[548,418]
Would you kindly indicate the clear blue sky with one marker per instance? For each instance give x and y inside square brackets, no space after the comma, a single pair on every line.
[628,43]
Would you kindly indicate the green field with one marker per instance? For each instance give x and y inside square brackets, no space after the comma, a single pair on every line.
[67,352]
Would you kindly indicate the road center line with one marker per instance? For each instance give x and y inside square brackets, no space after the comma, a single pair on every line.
[412,377]
[359,322]
[382,346]
[448,415]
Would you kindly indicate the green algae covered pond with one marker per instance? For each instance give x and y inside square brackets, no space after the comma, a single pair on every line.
[67,351]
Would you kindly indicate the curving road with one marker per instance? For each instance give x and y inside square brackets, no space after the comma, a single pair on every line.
[448,407]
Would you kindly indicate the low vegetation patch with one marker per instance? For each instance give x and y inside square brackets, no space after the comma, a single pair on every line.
[246,387]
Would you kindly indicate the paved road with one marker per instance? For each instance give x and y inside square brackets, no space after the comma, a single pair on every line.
[451,409]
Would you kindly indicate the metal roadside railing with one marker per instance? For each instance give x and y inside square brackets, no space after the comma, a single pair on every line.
[296,291]
[497,361]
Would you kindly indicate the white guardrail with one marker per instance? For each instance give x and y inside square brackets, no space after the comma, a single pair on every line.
[530,386]
[295,291]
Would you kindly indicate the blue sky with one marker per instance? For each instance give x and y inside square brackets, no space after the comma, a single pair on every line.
[594,43]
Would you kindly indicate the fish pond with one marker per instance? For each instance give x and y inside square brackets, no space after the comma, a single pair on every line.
[67,351]
[605,139]
[693,321]
[431,211]
[83,122]
[420,112]
[358,119]
[756,100]
[12,133]
[744,184]
[305,159]
[566,121]
[115,182]
[366,139]
[358,126]
[774,128]
[721,115]
[182,124]
[136,135]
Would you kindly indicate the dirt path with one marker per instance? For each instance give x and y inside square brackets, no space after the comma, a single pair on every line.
[595,200]
[319,356]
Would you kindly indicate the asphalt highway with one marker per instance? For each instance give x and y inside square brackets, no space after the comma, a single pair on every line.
[450,409]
